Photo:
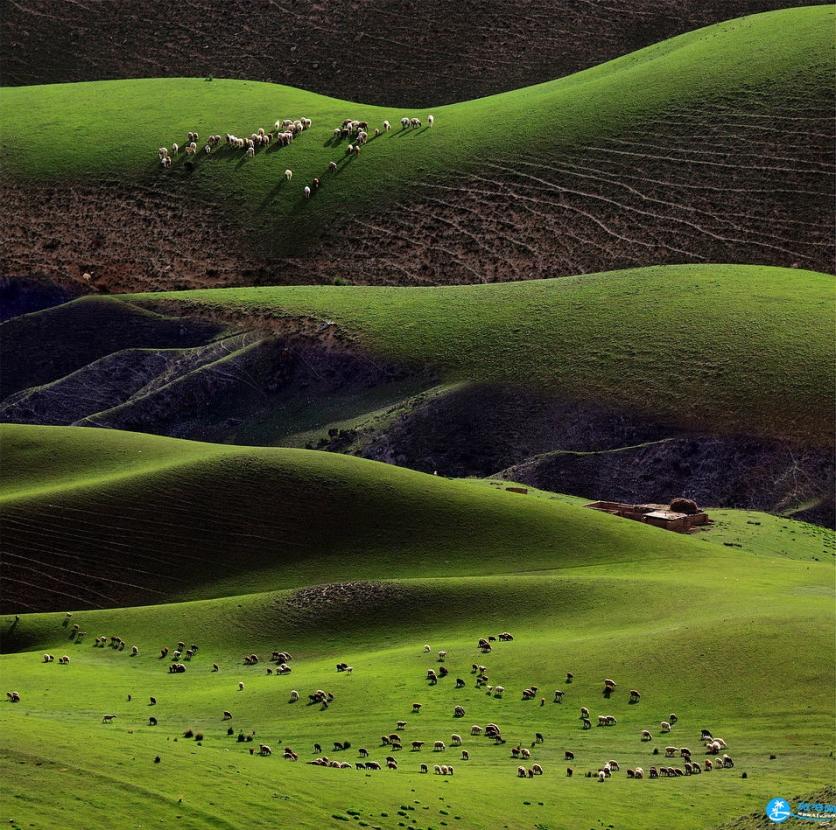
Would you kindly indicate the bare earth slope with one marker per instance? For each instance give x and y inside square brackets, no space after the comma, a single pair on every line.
[407,52]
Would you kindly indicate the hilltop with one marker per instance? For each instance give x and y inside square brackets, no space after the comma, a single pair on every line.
[713,146]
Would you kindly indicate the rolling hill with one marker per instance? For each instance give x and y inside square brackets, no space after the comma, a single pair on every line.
[372,562]
[571,385]
[412,54]
[713,146]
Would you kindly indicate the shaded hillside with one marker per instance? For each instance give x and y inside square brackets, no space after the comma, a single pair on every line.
[572,385]
[410,53]
[713,146]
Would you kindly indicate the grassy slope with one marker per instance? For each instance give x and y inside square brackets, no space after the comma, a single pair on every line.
[727,348]
[239,519]
[91,131]
[694,624]
[693,642]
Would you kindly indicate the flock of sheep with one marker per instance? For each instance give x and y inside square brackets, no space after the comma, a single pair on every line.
[283,133]
[280,665]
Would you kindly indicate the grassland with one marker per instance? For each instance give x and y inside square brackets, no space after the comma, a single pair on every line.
[87,132]
[735,639]
[711,350]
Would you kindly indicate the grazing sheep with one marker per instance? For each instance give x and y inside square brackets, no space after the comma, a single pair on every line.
[404,122]
[227,715]
[705,735]
[602,776]
[587,723]
[108,718]
[386,126]
[152,701]
[315,185]
[373,765]
[584,712]
[635,696]
[13,697]
[152,721]
[536,769]
[48,658]
[414,122]
[401,724]
[728,763]
[522,772]
[64,660]
[264,749]
[250,152]
[498,691]
[558,695]
[163,652]
[708,764]
[538,738]
[332,166]
[665,727]
[240,686]
[392,764]
[475,730]
[458,712]
[175,149]
[430,120]
[670,751]
[416,707]
[442,656]
[349,150]
[456,740]
[639,773]
[672,717]
[432,677]
[307,192]
[427,648]
[417,745]
[207,148]
[465,755]
[439,746]
[423,769]
[646,736]
[356,149]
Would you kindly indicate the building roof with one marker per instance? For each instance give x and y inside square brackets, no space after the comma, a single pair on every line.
[668,515]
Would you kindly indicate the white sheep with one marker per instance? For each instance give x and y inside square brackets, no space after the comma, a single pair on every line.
[427,649]
[387,126]
[240,685]
[294,696]
[430,120]
[307,192]
[250,152]
[456,739]
[288,174]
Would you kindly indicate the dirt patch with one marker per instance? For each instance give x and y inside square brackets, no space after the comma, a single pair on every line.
[343,602]
[128,237]
[410,53]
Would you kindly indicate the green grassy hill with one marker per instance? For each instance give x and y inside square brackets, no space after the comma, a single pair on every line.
[205,520]
[89,132]
[734,639]
[725,348]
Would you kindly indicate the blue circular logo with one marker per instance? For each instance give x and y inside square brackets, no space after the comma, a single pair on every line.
[778,810]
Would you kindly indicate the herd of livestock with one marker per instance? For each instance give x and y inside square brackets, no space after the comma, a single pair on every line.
[283,133]
[279,664]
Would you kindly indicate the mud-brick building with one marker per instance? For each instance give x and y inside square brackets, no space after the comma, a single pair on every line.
[658,515]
